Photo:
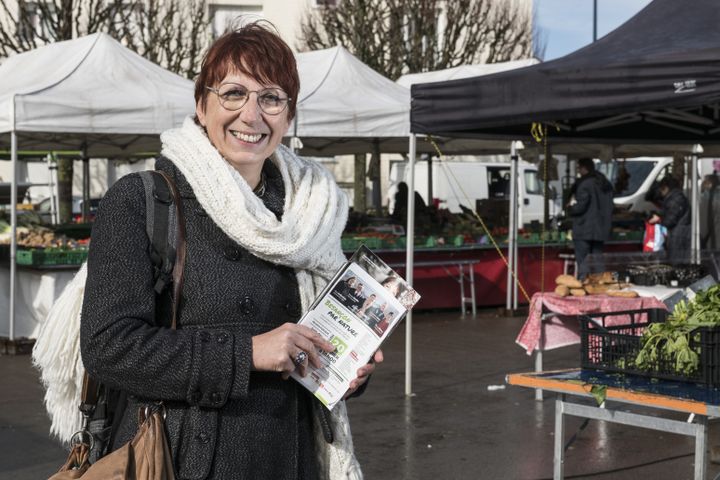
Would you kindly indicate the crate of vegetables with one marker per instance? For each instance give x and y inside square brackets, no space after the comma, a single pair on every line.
[682,346]
[29,257]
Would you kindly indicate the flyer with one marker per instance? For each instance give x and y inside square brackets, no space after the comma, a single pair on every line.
[356,312]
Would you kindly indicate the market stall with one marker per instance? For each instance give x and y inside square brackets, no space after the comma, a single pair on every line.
[654,80]
[662,397]
[91,95]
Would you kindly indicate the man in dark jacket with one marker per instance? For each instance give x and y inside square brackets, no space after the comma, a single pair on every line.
[675,216]
[591,213]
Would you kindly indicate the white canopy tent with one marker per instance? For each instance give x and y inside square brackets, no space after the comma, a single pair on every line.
[463,71]
[90,94]
[346,107]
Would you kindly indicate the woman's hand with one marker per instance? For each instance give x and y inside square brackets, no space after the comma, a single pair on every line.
[364,373]
[276,350]
[654,219]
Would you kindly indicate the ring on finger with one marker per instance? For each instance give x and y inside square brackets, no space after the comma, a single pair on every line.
[300,358]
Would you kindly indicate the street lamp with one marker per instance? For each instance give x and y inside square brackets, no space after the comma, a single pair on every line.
[594,20]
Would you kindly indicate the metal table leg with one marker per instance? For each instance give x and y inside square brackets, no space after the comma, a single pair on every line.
[472,288]
[539,357]
[461,279]
[559,452]
[701,436]
[697,429]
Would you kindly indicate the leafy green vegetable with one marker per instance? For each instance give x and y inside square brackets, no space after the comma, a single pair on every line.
[599,392]
[669,345]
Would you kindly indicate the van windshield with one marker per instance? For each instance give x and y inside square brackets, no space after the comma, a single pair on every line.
[626,176]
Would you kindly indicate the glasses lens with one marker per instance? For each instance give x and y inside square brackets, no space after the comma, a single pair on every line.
[272,100]
[232,96]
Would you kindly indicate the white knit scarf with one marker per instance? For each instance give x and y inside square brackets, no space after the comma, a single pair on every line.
[307,238]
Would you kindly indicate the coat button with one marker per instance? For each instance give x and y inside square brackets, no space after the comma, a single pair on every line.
[203,437]
[247,306]
[216,397]
[293,309]
[232,253]
[222,337]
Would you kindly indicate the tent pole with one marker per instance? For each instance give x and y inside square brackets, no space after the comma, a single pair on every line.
[695,203]
[410,237]
[13,232]
[511,226]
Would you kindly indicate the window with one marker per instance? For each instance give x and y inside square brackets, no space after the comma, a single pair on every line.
[498,182]
[627,176]
[225,17]
[533,184]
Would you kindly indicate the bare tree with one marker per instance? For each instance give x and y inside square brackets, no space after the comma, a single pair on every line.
[406,36]
[171,33]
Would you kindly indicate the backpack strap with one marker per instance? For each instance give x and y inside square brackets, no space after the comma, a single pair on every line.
[165,227]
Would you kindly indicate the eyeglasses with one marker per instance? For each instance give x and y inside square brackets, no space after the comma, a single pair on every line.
[233,97]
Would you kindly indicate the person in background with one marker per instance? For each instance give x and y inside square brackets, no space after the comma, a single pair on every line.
[399,214]
[591,212]
[675,216]
[710,213]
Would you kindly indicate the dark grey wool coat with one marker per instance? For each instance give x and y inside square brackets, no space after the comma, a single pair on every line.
[592,214]
[223,420]
[675,216]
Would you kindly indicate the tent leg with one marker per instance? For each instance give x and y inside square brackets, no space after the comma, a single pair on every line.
[511,227]
[695,204]
[410,236]
[13,232]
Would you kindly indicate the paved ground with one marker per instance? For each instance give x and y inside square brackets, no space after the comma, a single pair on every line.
[453,428]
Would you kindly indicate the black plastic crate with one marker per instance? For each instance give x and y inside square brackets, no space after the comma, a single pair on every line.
[613,348]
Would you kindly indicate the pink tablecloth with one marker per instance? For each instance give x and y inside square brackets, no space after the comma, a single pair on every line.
[561,330]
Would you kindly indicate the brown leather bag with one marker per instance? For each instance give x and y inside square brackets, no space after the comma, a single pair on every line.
[147,456]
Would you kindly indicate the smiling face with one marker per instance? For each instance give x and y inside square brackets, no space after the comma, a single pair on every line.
[244,137]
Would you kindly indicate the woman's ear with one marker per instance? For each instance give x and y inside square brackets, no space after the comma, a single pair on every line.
[200,112]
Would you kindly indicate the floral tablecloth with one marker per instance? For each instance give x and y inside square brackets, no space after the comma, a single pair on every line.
[563,329]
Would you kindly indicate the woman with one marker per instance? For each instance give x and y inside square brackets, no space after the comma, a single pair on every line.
[675,216]
[710,213]
[263,238]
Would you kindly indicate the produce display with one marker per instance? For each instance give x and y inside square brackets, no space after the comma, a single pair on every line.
[438,228]
[40,245]
[676,342]
[680,346]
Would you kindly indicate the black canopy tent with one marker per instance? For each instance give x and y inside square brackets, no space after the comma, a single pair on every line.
[655,79]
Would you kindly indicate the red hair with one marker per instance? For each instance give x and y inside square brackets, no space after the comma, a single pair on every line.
[254,50]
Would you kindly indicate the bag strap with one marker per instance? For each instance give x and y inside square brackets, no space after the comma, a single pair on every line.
[165,227]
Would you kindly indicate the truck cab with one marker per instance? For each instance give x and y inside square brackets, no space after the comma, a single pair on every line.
[633,178]
[471,183]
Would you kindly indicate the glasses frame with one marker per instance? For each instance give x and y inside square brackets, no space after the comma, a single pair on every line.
[222,101]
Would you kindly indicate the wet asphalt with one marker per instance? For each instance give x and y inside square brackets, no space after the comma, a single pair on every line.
[453,427]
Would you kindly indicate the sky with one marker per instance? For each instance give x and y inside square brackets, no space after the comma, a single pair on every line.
[567,25]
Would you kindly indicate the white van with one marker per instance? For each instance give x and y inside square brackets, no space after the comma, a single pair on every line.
[641,172]
[458,183]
